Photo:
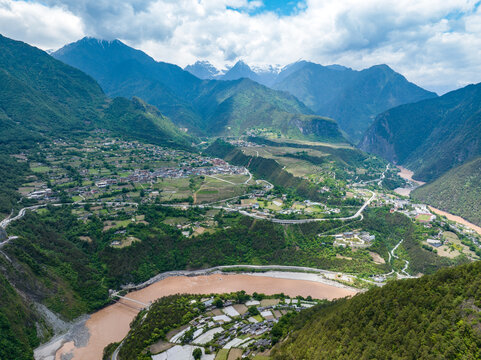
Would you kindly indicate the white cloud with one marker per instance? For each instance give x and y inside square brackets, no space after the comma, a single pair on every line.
[36,24]
[435,45]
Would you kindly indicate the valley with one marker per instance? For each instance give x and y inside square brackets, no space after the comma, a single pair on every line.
[151,211]
[118,194]
[111,324]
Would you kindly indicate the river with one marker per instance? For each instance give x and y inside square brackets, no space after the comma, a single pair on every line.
[407,174]
[111,324]
[457,219]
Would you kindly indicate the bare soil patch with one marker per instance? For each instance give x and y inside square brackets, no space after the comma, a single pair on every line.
[235,354]
[377,258]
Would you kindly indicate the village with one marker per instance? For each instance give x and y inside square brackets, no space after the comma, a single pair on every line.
[109,178]
[229,330]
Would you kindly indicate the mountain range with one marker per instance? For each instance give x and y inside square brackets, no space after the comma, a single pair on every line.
[432,136]
[43,98]
[203,107]
[353,98]
[265,75]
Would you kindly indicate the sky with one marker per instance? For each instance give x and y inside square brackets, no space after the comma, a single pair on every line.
[436,44]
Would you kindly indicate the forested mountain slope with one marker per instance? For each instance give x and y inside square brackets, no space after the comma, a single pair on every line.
[458,191]
[352,98]
[433,317]
[432,136]
[204,107]
[43,97]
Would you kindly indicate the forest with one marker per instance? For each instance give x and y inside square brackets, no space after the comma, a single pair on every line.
[434,317]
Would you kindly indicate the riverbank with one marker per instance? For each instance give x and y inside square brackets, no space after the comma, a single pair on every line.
[407,175]
[457,219]
[111,324]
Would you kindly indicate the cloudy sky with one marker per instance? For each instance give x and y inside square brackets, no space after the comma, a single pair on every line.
[436,44]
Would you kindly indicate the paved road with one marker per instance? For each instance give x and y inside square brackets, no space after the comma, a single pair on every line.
[379,180]
[404,274]
[275,220]
[250,177]
[5,222]
[115,354]
[304,221]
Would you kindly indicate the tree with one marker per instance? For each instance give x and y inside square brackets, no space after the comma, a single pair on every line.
[197,353]
[253,311]
[218,302]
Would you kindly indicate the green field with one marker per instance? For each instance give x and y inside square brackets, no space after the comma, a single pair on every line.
[40,169]
[423,217]
[222,354]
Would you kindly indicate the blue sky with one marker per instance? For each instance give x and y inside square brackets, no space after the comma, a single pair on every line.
[436,44]
[282,8]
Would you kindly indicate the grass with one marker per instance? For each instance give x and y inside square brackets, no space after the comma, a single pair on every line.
[40,169]
[126,242]
[222,354]
[450,236]
[116,224]
[176,220]
[207,192]
[423,217]
[258,318]
[235,354]
[42,211]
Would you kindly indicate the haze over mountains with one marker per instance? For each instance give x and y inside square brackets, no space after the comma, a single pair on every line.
[353,98]
[203,107]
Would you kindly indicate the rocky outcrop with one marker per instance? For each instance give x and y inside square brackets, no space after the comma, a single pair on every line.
[378,140]
[319,127]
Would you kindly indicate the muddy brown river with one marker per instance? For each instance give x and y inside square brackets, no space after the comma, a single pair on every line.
[111,324]
[408,175]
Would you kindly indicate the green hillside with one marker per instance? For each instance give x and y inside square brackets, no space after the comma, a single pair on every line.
[12,174]
[458,191]
[433,317]
[432,136]
[232,107]
[43,98]
[351,97]
[268,169]
[204,107]
[136,119]
[18,335]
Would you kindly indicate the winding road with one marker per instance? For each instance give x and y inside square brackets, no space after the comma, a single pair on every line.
[406,262]
[275,220]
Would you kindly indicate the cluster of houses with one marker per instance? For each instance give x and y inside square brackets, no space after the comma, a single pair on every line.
[236,326]
[42,194]
[254,202]
[244,143]
[146,176]
[354,239]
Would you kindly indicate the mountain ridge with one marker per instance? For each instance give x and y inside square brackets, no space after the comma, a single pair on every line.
[44,97]
[432,136]
[204,107]
[353,98]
